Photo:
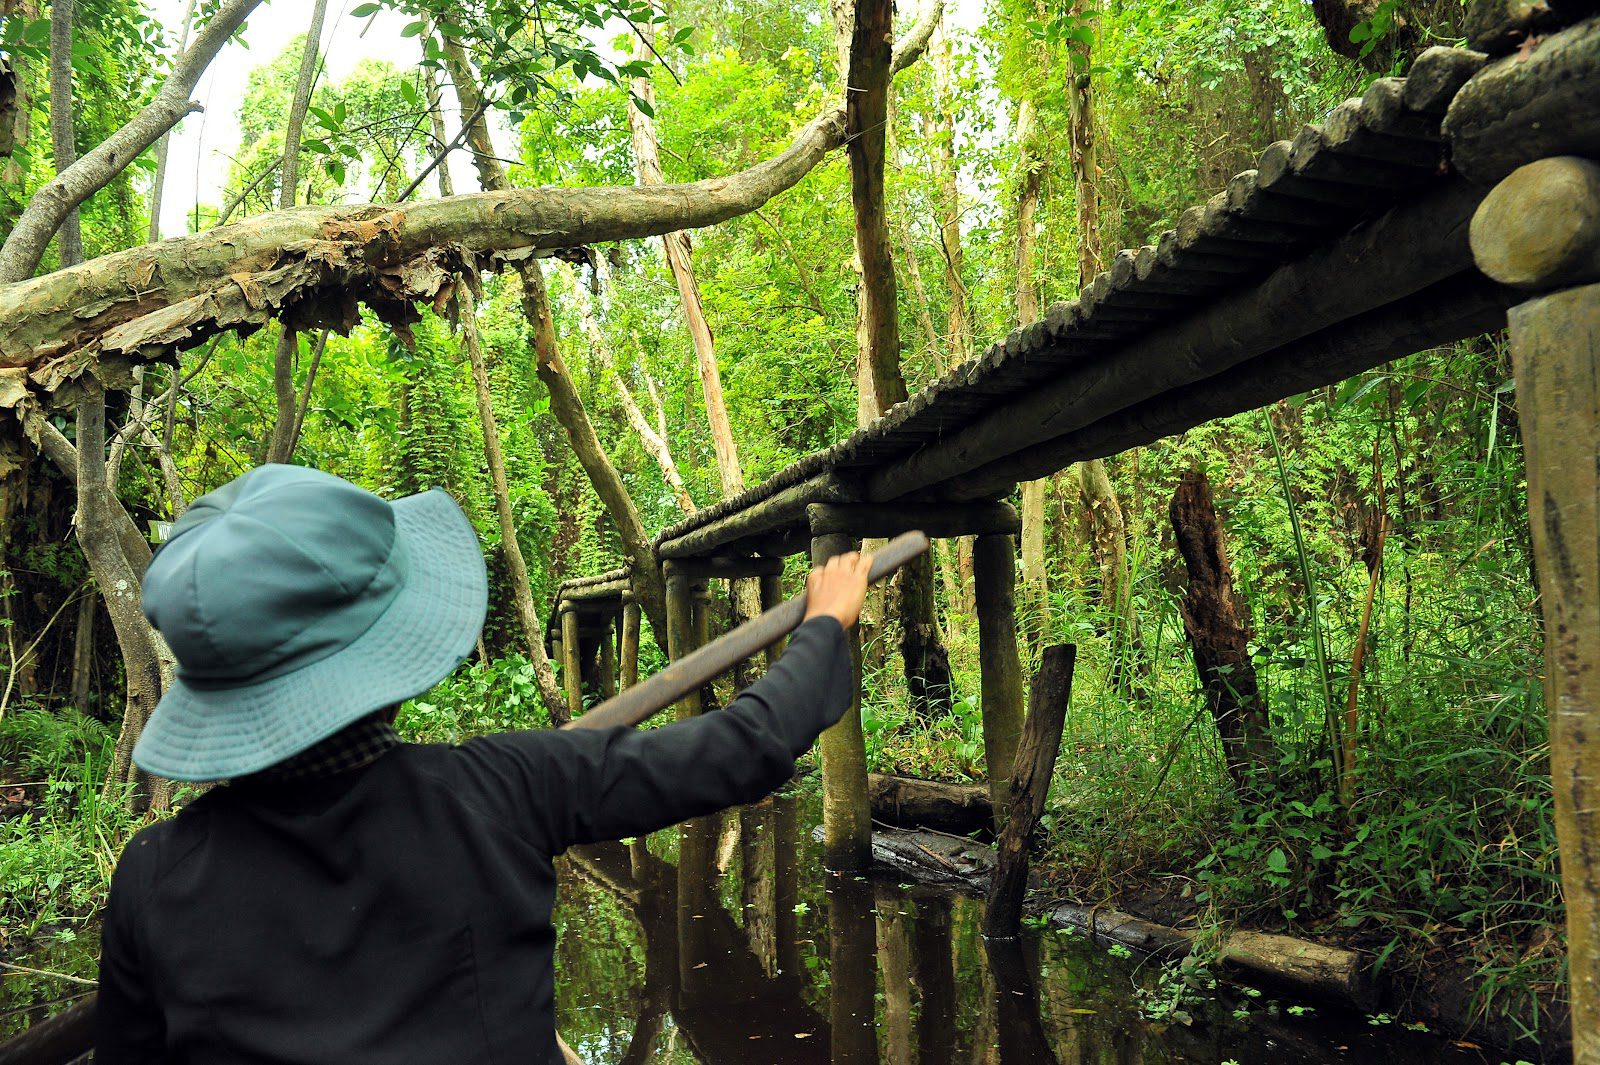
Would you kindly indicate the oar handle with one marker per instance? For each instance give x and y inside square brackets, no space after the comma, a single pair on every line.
[700,667]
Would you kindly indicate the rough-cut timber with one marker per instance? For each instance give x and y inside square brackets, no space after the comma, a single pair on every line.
[1528,106]
[1555,352]
[1540,227]
[1030,787]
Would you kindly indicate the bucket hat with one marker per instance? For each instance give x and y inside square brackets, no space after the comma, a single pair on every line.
[296,603]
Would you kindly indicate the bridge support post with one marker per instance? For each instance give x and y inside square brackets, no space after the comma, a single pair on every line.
[571,661]
[629,654]
[608,660]
[994,573]
[1539,230]
[846,813]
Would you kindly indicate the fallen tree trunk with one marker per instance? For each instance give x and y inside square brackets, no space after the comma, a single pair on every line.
[909,802]
[1329,974]
[56,1040]
[312,264]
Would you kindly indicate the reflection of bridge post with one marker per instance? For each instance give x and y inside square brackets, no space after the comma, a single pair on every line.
[894,960]
[936,977]
[697,840]
[758,885]
[852,968]
[786,883]
[1022,1036]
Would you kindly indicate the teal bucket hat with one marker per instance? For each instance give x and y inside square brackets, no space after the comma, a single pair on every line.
[296,603]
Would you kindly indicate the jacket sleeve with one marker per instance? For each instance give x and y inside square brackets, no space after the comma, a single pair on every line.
[572,786]
[129,1026]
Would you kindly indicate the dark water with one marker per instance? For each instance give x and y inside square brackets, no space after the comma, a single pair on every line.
[777,961]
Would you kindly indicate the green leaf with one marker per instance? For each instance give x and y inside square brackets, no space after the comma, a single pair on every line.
[413,29]
[1277,861]
[364,10]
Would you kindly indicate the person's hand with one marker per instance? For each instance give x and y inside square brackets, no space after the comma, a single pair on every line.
[838,587]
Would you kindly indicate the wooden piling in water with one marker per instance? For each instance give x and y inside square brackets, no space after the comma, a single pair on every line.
[1030,786]
[994,571]
[846,815]
[571,661]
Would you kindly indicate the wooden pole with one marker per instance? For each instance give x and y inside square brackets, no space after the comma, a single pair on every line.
[1555,351]
[572,662]
[771,596]
[846,814]
[608,660]
[680,637]
[994,578]
[630,644]
[1030,786]
[1555,354]
[699,667]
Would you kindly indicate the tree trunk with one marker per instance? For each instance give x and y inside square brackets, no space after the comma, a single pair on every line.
[675,246]
[63,136]
[654,442]
[159,186]
[280,446]
[1217,621]
[1030,181]
[958,325]
[99,536]
[50,206]
[510,547]
[565,403]
[1030,787]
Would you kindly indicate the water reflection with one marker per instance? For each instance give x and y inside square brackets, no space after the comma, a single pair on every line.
[724,941]
[705,949]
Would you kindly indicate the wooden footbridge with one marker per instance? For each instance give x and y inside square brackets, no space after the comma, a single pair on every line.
[1458,200]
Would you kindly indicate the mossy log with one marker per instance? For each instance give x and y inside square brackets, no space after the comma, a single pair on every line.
[1315,970]
[910,802]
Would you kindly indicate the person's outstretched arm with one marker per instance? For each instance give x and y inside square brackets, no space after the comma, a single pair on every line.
[584,785]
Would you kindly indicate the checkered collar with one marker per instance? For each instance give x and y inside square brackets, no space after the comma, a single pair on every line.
[358,744]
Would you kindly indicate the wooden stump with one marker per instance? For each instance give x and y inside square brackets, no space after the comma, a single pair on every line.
[994,570]
[846,814]
[1030,786]
[1217,622]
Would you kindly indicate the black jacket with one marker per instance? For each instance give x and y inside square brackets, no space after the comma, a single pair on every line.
[400,912]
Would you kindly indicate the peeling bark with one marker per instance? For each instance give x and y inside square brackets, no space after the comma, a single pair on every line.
[313,265]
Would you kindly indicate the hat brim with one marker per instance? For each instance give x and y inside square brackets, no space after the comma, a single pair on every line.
[432,624]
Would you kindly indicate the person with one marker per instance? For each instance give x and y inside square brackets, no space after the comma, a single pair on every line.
[349,898]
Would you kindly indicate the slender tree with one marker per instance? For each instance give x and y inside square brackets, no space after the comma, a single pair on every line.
[280,447]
